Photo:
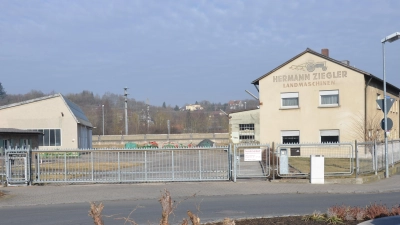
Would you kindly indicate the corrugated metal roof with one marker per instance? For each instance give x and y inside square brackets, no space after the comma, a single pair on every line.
[78,113]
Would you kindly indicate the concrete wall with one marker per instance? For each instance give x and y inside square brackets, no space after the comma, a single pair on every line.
[185,139]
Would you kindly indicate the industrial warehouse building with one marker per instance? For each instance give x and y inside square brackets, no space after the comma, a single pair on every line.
[314,98]
[63,123]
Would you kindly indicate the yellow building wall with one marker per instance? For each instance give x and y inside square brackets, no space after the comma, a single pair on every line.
[310,117]
[44,114]
[375,114]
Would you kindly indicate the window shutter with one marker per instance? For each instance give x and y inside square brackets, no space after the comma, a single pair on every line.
[329,132]
[290,133]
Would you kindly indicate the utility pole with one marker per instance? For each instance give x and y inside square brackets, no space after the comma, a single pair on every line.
[148,115]
[102,109]
[126,110]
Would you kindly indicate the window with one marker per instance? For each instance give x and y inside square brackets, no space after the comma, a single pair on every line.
[329,136]
[246,132]
[290,136]
[249,126]
[329,98]
[290,100]
[244,138]
[51,137]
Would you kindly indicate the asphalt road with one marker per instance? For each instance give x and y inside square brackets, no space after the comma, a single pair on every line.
[208,208]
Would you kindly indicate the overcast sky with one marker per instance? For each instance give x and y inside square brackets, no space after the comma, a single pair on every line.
[183,51]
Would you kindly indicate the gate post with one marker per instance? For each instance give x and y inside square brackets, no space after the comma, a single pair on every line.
[234,163]
[357,159]
[273,161]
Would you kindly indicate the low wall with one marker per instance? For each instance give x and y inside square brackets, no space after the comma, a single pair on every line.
[185,139]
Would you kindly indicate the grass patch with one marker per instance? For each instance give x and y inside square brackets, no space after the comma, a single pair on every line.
[332,165]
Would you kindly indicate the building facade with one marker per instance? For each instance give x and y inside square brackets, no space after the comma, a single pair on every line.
[16,138]
[314,98]
[244,126]
[63,123]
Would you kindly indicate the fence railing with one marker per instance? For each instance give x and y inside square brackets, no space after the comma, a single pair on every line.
[294,160]
[191,164]
[130,165]
[251,160]
[371,156]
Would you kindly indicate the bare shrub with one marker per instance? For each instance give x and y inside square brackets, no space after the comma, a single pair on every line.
[395,210]
[228,221]
[95,212]
[376,211]
[357,213]
[167,206]
[338,211]
[195,220]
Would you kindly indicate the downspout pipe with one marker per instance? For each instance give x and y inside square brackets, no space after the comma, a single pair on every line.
[365,108]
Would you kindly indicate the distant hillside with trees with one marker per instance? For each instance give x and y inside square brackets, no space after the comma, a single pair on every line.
[142,118]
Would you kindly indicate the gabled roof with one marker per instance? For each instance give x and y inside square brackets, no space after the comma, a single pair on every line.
[308,50]
[76,112]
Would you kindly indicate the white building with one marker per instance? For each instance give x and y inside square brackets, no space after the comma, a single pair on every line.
[63,123]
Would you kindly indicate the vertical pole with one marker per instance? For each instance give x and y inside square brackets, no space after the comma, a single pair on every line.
[385,114]
[172,161]
[119,169]
[168,125]
[273,161]
[38,166]
[65,166]
[200,164]
[234,163]
[145,165]
[230,162]
[126,110]
[392,154]
[357,159]
[91,159]
[102,109]
[376,159]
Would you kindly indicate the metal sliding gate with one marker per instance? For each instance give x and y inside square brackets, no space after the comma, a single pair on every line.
[17,166]
[251,160]
[130,165]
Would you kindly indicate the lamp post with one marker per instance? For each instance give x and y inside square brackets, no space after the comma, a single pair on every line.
[102,110]
[391,38]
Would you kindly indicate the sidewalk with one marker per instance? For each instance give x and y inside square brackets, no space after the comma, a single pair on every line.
[59,194]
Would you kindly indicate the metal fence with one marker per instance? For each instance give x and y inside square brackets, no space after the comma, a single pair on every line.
[130,165]
[371,156]
[294,160]
[2,169]
[22,166]
[16,166]
[251,160]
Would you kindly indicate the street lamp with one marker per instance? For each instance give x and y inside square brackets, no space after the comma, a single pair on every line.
[390,39]
[102,109]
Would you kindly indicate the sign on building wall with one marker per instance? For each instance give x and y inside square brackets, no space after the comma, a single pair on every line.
[252,155]
[310,74]
[235,137]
